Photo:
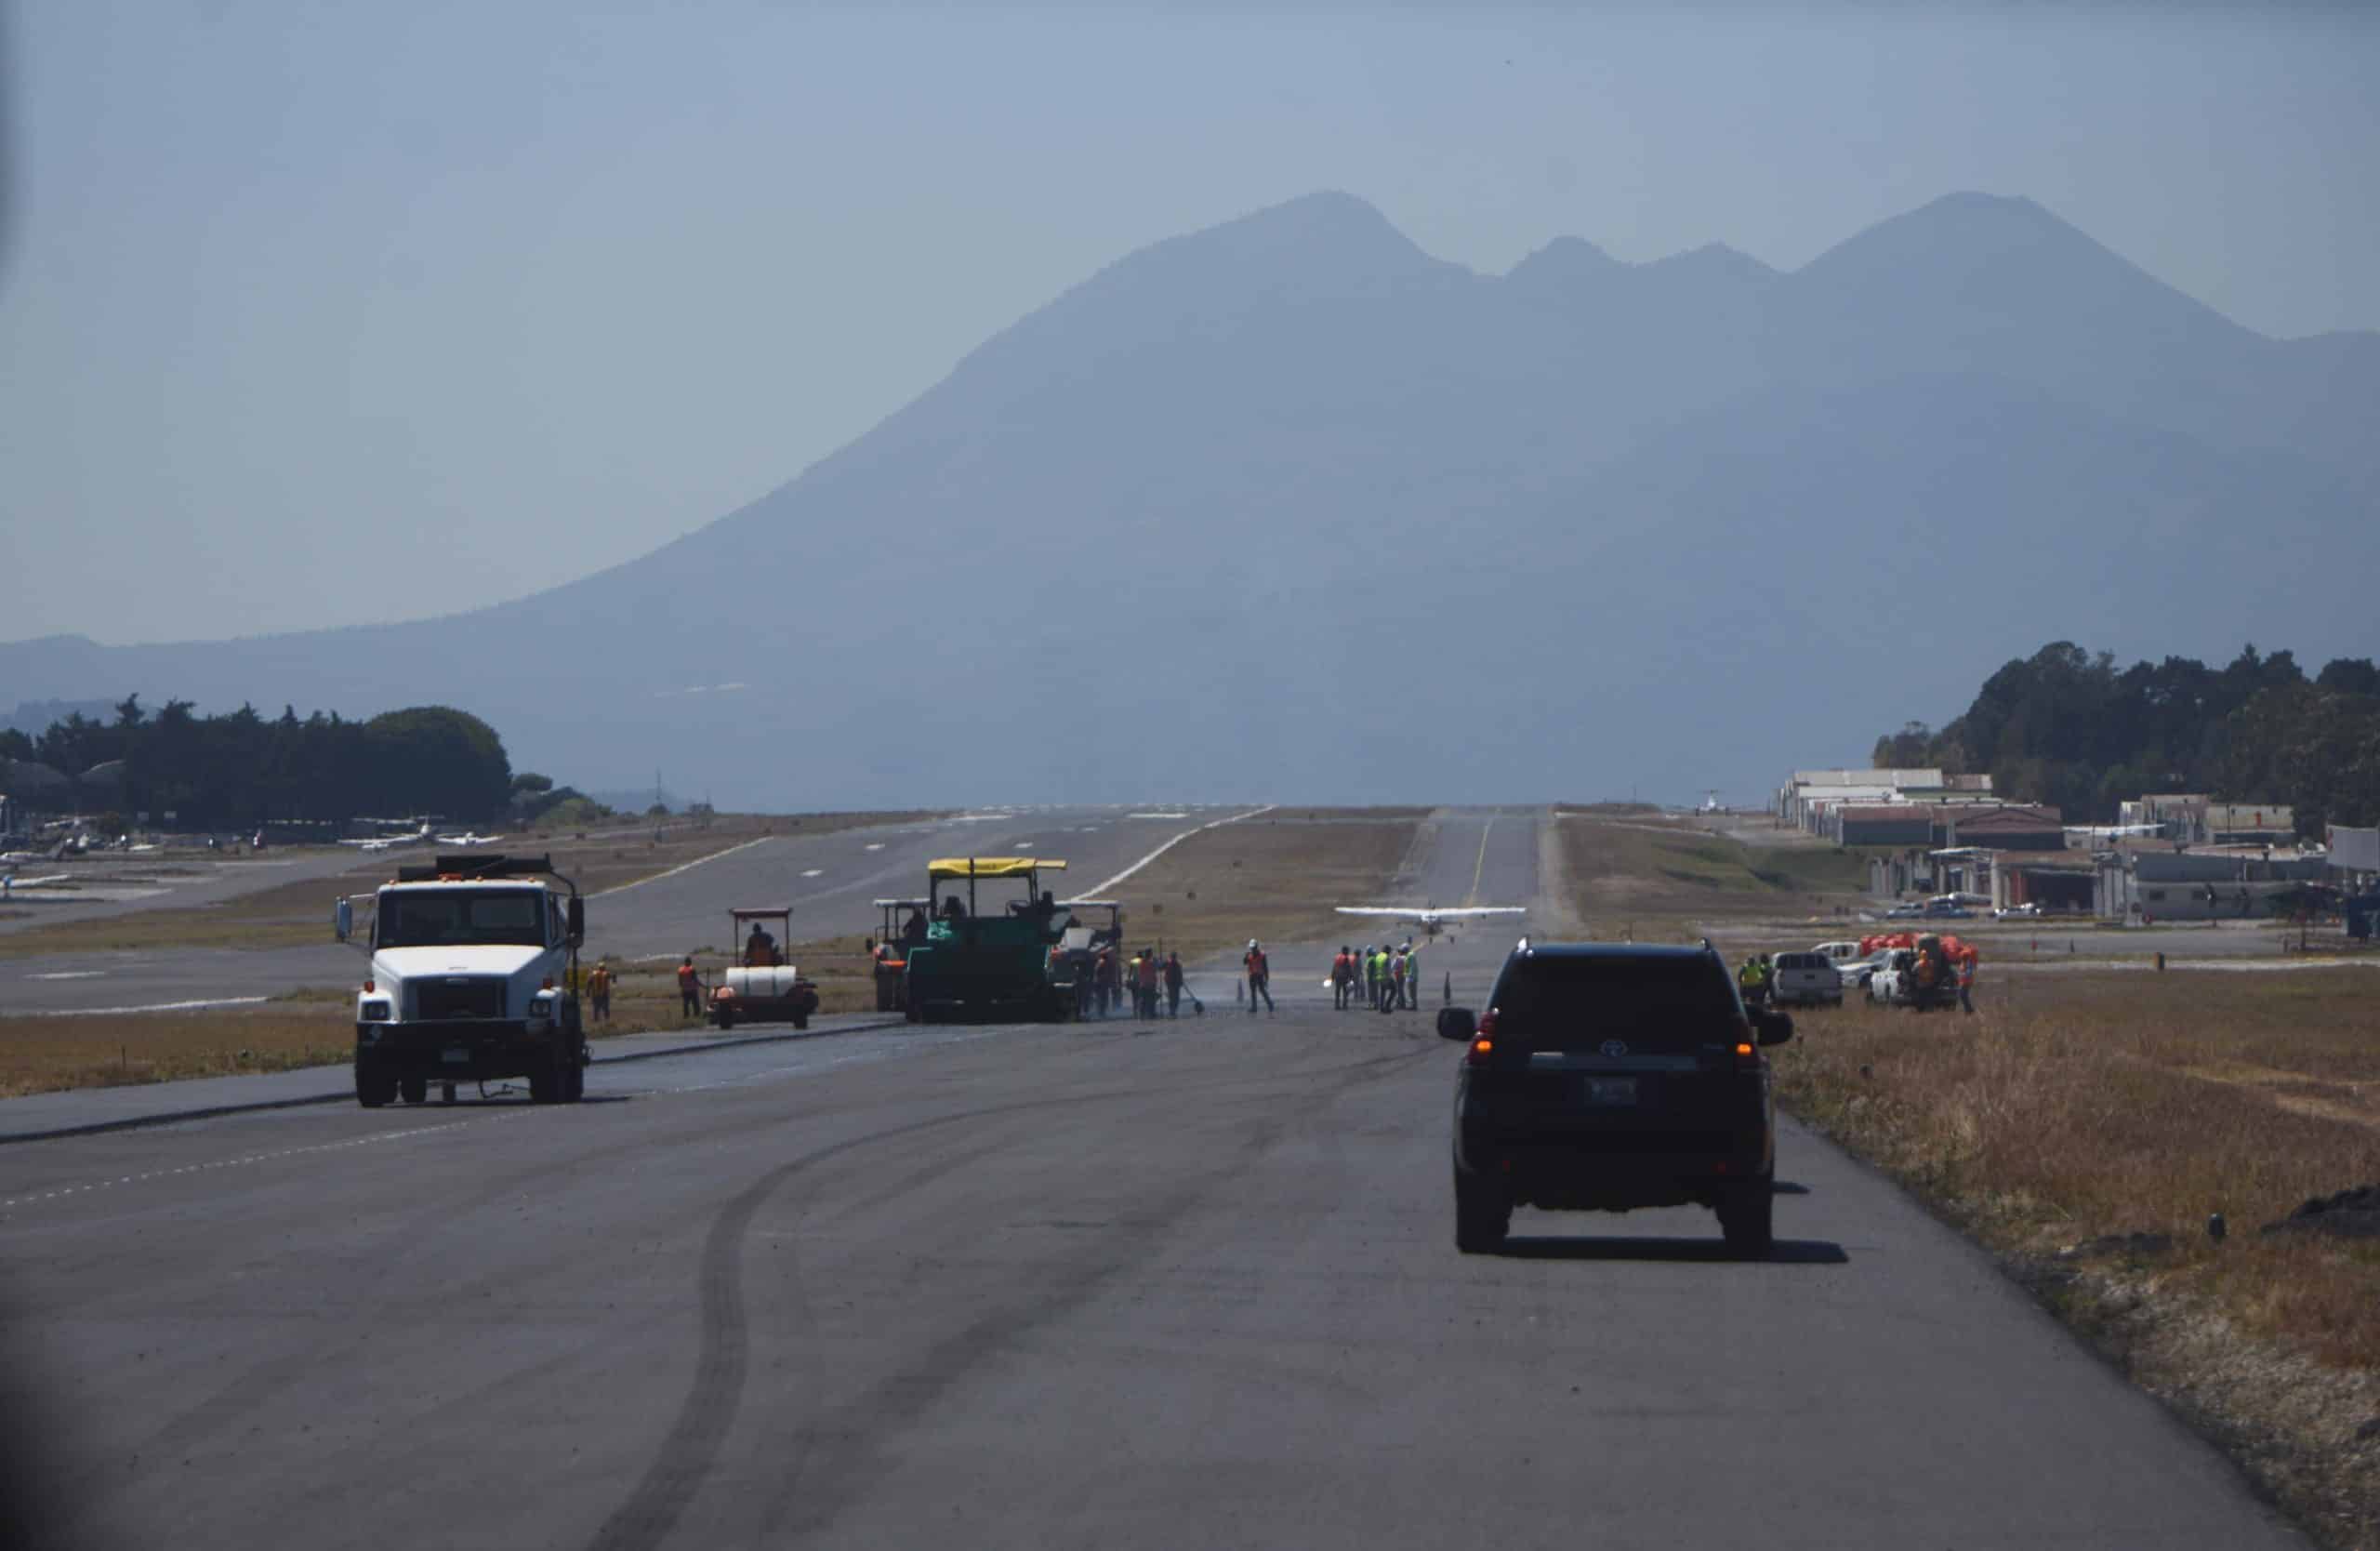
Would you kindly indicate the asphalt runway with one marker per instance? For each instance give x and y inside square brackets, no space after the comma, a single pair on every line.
[828,881]
[1183,1284]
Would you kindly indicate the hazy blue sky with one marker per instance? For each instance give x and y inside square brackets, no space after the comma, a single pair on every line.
[320,313]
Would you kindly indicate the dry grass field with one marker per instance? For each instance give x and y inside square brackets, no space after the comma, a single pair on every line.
[2086,1126]
[1652,879]
[1274,878]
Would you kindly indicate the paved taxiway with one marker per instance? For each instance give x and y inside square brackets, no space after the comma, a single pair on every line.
[1189,1284]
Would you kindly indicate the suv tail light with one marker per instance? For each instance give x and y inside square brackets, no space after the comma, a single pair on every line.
[1747,1050]
[1483,1042]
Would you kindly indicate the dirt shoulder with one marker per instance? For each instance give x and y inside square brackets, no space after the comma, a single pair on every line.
[2084,1127]
[2089,1128]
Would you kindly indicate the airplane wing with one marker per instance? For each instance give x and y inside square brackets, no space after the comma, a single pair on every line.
[1411,912]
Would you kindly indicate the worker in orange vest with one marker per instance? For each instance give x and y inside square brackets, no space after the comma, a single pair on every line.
[689,989]
[1260,977]
[1144,982]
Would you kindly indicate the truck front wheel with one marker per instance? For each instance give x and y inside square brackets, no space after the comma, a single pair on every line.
[372,1090]
[414,1090]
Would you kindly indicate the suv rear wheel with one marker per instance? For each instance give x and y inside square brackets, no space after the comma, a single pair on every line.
[1747,1218]
[1483,1215]
[414,1090]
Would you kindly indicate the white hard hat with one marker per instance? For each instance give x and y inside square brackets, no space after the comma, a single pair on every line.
[1251,945]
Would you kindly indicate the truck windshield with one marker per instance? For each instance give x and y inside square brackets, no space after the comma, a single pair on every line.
[456,918]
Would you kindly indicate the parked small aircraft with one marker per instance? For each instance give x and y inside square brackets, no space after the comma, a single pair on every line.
[390,843]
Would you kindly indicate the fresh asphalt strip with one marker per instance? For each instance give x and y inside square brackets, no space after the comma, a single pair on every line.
[142,1122]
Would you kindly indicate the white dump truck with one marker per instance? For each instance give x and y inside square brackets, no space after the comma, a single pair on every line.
[473,979]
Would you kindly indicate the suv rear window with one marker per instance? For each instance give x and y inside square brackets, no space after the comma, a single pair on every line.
[1803,961]
[1561,1002]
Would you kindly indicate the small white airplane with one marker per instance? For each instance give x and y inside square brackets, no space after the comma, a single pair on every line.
[469,837]
[1432,919]
[390,843]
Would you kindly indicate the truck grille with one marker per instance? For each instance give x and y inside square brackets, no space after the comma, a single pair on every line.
[453,996]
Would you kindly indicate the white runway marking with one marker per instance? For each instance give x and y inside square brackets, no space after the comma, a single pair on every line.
[151,1007]
[876,845]
[813,872]
[684,868]
[68,974]
[1099,890]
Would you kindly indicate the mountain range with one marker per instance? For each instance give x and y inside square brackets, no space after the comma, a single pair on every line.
[1288,508]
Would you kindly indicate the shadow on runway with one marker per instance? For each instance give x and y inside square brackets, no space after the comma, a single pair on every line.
[1712,1251]
[1787,1187]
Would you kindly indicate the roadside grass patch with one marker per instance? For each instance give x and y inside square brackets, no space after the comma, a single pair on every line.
[2085,1126]
[1662,875]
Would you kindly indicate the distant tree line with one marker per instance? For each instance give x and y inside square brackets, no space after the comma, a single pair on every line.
[241,769]
[2069,728]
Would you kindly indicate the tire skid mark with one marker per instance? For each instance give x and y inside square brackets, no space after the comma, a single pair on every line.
[836,1456]
[691,1447]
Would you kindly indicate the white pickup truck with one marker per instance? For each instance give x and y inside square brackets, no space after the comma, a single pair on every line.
[474,965]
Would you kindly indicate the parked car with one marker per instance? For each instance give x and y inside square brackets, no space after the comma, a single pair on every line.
[2026,911]
[1804,980]
[1905,912]
[1939,910]
[1838,953]
[1858,973]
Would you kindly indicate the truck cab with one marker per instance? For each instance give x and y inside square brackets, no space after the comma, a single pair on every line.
[473,979]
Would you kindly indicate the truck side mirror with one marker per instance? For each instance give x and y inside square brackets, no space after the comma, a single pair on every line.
[1457,1023]
[578,920]
[343,918]
[1772,1029]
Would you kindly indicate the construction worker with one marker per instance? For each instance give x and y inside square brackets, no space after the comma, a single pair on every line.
[1412,976]
[598,989]
[1748,979]
[1397,980]
[760,948]
[1107,975]
[1966,982]
[1342,977]
[1147,982]
[1371,975]
[1260,977]
[689,989]
[1173,985]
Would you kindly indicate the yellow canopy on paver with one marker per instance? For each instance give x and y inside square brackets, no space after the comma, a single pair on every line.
[991,867]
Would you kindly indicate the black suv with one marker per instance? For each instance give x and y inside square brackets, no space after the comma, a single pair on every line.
[1607,1076]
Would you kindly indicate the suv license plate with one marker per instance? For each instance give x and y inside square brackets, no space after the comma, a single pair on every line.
[458,1056]
[1611,1090]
